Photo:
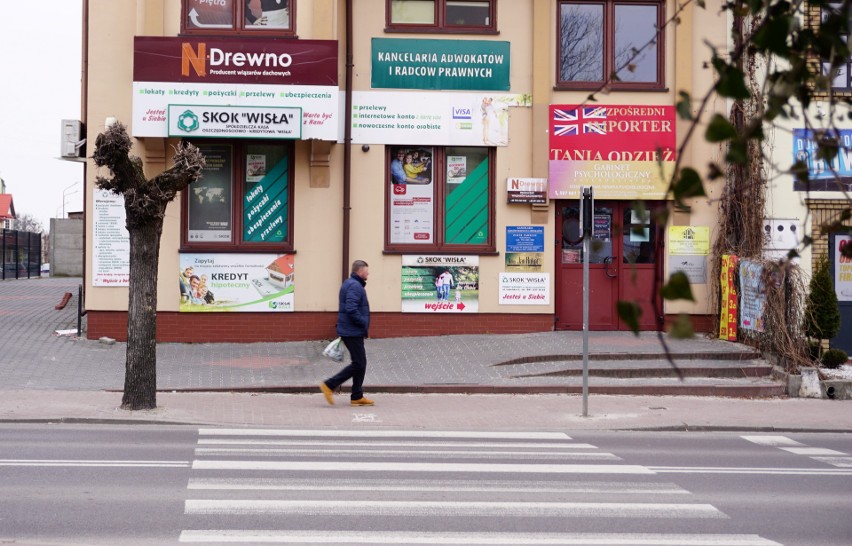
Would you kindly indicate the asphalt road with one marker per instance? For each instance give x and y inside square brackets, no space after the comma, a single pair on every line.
[150,484]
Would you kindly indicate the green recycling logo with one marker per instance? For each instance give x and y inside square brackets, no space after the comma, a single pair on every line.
[188,121]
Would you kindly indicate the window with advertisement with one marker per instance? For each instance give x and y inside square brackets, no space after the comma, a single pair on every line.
[239,16]
[244,200]
[440,198]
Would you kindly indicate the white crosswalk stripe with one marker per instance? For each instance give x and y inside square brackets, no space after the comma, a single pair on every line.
[821,454]
[292,483]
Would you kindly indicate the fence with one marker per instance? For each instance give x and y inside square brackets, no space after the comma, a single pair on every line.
[21,254]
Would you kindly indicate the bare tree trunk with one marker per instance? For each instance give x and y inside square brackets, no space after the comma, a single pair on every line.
[140,378]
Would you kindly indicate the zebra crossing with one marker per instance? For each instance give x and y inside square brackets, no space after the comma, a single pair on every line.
[432,487]
[821,454]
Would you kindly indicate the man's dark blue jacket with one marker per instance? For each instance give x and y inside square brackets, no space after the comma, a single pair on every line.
[353,315]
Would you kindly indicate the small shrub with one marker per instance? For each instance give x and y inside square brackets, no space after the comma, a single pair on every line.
[833,358]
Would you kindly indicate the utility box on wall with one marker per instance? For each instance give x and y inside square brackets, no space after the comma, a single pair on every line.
[73,139]
[780,235]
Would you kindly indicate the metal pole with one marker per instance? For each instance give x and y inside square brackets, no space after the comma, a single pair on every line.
[586,246]
[79,310]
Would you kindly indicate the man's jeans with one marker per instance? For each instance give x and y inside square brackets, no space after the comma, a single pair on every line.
[356,370]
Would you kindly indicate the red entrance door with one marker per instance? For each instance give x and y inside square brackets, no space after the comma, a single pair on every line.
[622,261]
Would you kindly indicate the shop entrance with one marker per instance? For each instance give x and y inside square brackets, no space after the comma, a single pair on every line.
[621,266]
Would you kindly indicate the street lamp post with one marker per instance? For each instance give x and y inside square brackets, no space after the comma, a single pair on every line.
[64,194]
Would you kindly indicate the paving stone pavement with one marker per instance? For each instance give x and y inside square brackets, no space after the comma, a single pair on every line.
[50,377]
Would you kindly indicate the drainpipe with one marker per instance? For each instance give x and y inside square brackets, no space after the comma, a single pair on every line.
[347,142]
[84,114]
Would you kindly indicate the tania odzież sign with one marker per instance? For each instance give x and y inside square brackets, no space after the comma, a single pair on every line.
[624,152]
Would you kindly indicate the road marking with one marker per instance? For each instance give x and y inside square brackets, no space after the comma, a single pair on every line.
[768,471]
[532,539]
[224,451]
[360,466]
[80,463]
[374,444]
[449,508]
[842,462]
[772,441]
[383,434]
[812,451]
[461,486]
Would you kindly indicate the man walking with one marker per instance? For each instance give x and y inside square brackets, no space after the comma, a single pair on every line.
[353,323]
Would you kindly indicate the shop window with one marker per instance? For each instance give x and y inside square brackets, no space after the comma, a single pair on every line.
[441,15]
[440,199]
[620,42]
[841,79]
[249,17]
[244,200]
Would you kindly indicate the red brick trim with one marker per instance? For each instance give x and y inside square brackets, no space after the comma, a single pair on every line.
[259,327]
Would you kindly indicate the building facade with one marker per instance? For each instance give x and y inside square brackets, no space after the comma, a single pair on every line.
[442,142]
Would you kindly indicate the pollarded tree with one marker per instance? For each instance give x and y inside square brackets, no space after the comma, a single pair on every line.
[145,206]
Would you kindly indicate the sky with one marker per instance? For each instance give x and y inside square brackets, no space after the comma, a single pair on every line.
[39,87]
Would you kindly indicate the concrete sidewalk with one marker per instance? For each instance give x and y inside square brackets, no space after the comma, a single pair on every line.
[47,377]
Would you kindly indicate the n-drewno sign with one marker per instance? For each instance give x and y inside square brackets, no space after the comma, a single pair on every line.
[233,72]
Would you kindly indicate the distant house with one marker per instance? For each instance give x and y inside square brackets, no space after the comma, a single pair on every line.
[7,210]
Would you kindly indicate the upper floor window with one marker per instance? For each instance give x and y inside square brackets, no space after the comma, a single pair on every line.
[441,15]
[841,79]
[239,16]
[620,42]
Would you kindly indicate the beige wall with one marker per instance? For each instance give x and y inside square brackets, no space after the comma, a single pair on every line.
[318,211]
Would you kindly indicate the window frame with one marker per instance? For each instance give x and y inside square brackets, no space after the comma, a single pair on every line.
[439,196]
[609,48]
[440,26]
[239,24]
[835,89]
[238,186]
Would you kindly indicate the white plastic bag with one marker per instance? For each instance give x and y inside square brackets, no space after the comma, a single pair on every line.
[334,350]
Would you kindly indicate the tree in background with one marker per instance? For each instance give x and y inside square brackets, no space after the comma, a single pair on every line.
[27,222]
[145,206]
[822,315]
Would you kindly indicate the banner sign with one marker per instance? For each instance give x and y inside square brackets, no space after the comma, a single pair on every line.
[524,238]
[624,152]
[526,190]
[236,282]
[111,245]
[476,65]
[824,176]
[232,72]
[689,240]
[694,267]
[842,268]
[440,284]
[524,261]
[728,312]
[752,296]
[524,288]
[234,122]
[451,119]
[213,59]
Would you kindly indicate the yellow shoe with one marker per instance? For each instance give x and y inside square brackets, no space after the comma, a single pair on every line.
[329,396]
[363,401]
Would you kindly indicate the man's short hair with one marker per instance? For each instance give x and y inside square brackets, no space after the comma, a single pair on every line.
[358,265]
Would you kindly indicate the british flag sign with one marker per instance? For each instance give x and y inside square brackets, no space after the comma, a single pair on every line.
[576,121]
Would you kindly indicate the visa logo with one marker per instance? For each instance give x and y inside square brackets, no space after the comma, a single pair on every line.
[461,113]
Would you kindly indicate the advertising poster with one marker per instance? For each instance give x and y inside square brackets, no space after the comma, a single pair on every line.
[824,176]
[526,190]
[689,240]
[265,202]
[728,312]
[842,268]
[456,169]
[210,197]
[111,245]
[474,65]
[624,152]
[752,296]
[255,167]
[412,195]
[428,118]
[440,284]
[524,289]
[236,282]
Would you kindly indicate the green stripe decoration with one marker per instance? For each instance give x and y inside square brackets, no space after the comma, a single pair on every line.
[466,209]
[265,206]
